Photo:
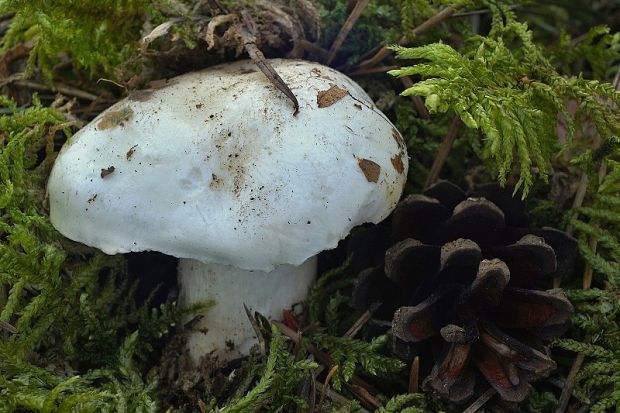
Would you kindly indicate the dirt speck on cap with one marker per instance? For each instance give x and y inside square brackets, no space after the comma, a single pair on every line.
[370,169]
[130,152]
[107,171]
[216,182]
[141,95]
[92,198]
[114,118]
[330,96]
[397,162]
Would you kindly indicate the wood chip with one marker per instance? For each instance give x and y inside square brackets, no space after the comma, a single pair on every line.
[330,96]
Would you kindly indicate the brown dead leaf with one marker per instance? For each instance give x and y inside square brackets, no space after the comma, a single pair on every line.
[371,169]
[397,162]
[330,96]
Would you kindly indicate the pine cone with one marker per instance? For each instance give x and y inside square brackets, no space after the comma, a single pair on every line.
[464,272]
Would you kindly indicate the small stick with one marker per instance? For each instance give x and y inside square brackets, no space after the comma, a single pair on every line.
[330,374]
[60,88]
[362,320]
[422,28]
[261,340]
[373,70]
[247,32]
[480,401]
[365,396]
[414,375]
[586,283]
[569,385]
[443,152]
[8,327]
[313,48]
[346,28]
[480,11]
[340,398]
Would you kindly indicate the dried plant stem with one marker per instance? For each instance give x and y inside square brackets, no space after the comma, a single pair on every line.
[569,385]
[358,324]
[480,401]
[365,396]
[346,28]
[340,398]
[322,357]
[414,375]
[313,48]
[567,391]
[431,22]
[60,88]
[372,70]
[443,152]
[8,327]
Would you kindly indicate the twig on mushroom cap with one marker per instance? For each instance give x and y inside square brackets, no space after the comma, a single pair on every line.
[247,32]
[8,327]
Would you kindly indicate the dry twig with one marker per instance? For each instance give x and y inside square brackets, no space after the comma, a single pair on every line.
[480,401]
[431,22]
[247,32]
[346,28]
[443,152]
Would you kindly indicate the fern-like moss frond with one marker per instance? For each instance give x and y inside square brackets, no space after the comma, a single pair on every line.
[505,86]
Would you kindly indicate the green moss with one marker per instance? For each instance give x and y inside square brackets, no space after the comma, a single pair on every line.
[98,35]
[82,342]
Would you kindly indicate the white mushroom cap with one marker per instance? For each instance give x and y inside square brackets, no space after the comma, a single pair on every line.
[213,166]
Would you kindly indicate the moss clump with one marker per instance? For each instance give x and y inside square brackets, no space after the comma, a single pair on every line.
[98,35]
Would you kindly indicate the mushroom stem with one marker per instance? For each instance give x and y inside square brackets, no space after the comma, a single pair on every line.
[225,331]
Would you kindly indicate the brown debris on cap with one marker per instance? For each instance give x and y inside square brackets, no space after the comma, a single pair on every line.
[397,163]
[326,98]
[107,171]
[370,169]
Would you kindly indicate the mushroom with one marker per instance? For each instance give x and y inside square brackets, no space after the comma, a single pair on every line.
[213,168]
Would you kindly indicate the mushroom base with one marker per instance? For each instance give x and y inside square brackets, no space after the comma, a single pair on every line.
[225,331]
